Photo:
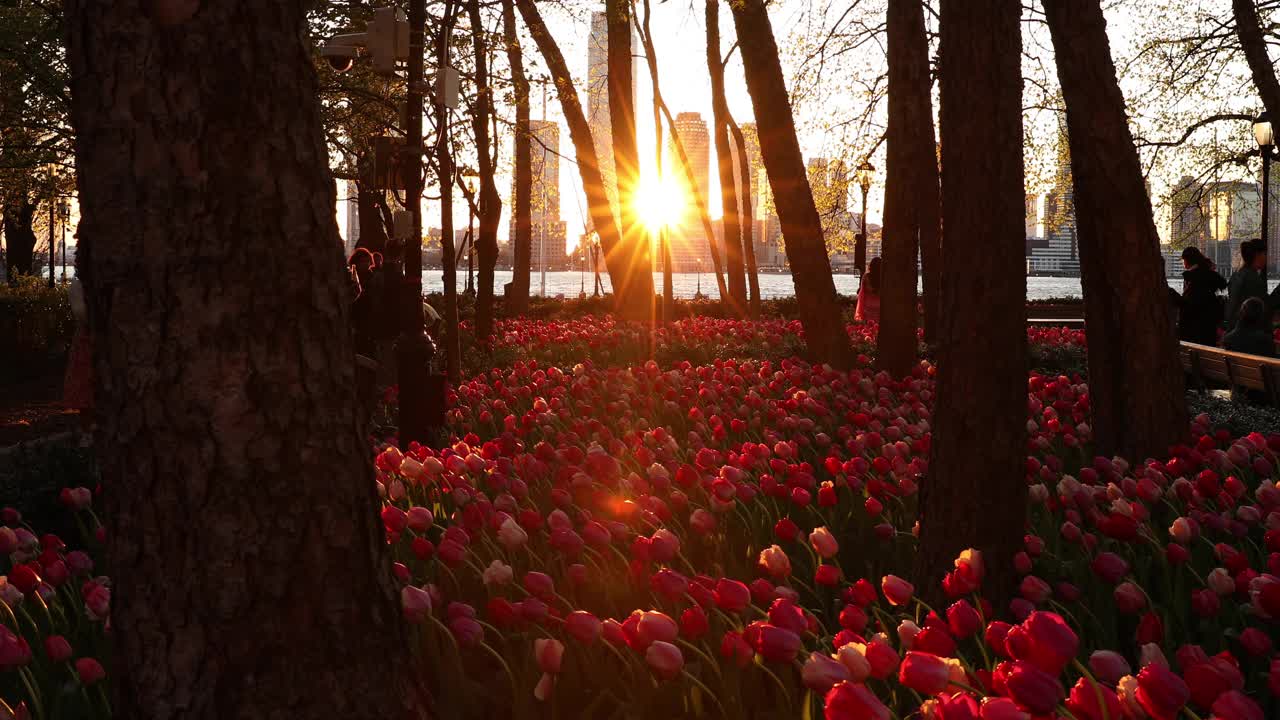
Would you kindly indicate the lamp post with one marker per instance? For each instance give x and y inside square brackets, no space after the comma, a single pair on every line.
[1265,135]
[865,169]
[698,295]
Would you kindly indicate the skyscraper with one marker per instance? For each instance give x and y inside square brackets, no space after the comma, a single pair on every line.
[598,116]
[547,242]
[689,243]
[766,236]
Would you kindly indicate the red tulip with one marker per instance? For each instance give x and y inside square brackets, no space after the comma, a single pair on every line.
[924,672]
[1002,708]
[963,619]
[1052,644]
[1235,705]
[1093,701]
[583,626]
[1033,688]
[883,659]
[1208,680]
[896,590]
[1161,693]
[732,596]
[849,701]
[776,644]
[693,623]
[959,706]
[89,670]
[665,659]
[57,648]
[1108,666]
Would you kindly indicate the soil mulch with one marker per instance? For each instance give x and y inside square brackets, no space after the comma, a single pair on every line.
[31,408]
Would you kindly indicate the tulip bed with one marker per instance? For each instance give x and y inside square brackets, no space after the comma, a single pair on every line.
[733,539]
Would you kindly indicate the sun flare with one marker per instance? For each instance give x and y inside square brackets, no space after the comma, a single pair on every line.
[659,203]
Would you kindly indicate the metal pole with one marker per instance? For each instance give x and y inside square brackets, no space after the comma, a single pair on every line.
[865,239]
[53,245]
[414,349]
[66,215]
[1266,203]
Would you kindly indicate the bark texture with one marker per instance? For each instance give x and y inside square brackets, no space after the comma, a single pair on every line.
[598,207]
[975,494]
[1135,375]
[731,235]
[250,578]
[801,227]
[1254,44]
[490,205]
[516,297]
[651,60]
[910,165]
[635,293]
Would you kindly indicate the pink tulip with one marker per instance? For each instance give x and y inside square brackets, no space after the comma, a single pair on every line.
[896,590]
[774,561]
[665,659]
[1108,666]
[654,627]
[820,672]
[824,543]
[548,653]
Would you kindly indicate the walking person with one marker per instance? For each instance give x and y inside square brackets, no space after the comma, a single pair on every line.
[1200,311]
[868,309]
[363,308]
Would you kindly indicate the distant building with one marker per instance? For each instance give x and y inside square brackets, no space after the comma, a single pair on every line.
[547,241]
[353,217]
[690,249]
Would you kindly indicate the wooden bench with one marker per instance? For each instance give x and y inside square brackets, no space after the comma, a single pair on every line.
[1056,314]
[1213,365]
[1074,323]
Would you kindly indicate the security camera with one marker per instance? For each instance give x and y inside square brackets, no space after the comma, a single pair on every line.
[340,51]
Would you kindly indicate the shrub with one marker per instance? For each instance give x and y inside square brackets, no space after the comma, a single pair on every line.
[36,326]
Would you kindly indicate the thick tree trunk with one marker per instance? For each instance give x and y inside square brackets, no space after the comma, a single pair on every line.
[598,208]
[19,238]
[976,472]
[444,176]
[1254,43]
[1135,376]
[909,163]
[490,205]
[801,227]
[245,539]
[516,298]
[635,294]
[748,218]
[731,223]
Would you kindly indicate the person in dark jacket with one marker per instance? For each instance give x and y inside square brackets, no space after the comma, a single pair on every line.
[1253,336]
[1200,312]
[1248,281]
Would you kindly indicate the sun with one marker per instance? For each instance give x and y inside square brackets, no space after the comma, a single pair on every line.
[658,203]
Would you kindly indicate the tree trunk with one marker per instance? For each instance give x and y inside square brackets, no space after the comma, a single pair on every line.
[489,211]
[748,217]
[1254,44]
[635,294]
[1135,377]
[516,298]
[444,176]
[976,472]
[801,228]
[598,207]
[245,539]
[20,238]
[373,235]
[731,235]
[909,162]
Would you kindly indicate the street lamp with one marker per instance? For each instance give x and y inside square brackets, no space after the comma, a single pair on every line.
[865,169]
[1265,135]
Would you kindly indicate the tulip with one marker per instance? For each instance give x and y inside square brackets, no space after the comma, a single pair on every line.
[1160,692]
[1255,642]
[693,623]
[654,626]
[786,530]
[415,603]
[849,701]
[1235,705]
[1209,680]
[498,573]
[959,706]
[1033,689]
[582,626]
[665,659]
[540,585]
[1108,666]
[896,590]
[820,672]
[824,543]
[732,596]
[963,619]
[1129,598]
[89,670]
[511,535]
[548,653]
[736,650]
[1219,580]
[777,644]
[775,563]
[466,630]
[925,673]
[853,657]
[1051,643]
[57,648]
[883,658]
[1002,708]
[1093,701]
[545,685]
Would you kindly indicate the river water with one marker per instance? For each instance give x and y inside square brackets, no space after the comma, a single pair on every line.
[772,285]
